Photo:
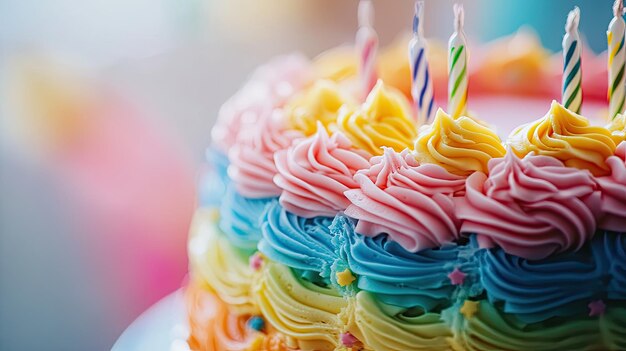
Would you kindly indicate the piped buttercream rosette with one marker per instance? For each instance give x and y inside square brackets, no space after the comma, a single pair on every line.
[252,167]
[383,120]
[412,203]
[460,145]
[314,174]
[568,137]
[531,207]
[270,86]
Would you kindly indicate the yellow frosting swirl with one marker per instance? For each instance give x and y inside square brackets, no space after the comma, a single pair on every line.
[461,145]
[321,102]
[386,327]
[383,120]
[568,137]
[617,127]
[309,316]
[218,265]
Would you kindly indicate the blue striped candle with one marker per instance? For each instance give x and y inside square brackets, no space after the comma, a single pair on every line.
[421,82]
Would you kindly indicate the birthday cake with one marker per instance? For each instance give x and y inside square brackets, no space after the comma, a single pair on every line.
[343,210]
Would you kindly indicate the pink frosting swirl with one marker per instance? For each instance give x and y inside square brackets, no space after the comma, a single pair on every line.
[284,76]
[269,87]
[613,188]
[412,203]
[243,108]
[315,172]
[531,207]
[252,167]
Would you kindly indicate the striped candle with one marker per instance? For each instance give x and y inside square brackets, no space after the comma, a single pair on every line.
[617,58]
[421,83]
[367,46]
[572,96]
[457,66]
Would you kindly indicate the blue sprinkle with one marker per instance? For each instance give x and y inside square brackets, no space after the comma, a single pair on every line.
[257,323]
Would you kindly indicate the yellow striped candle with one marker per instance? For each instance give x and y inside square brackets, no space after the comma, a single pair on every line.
[457,66]
[617,58]
[572,97]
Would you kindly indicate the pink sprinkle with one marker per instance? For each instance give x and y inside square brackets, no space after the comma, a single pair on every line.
[596,308]
[256,261]
[457,277]
[348,339]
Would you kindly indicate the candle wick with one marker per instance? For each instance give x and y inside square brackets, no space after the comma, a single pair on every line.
[573,19]
[459,17]
[418,24]
[366,13]
[618,8]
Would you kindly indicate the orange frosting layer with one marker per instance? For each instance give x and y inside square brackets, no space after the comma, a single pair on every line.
[214,327]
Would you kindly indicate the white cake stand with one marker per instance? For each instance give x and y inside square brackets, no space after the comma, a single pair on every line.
[160,328]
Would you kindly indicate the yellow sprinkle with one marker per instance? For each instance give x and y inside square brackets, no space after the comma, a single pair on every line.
[345,278]
[469,308]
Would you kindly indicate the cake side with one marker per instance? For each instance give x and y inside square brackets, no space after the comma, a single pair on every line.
[349,226]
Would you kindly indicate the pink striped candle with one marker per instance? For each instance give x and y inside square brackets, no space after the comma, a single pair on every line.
[367,46]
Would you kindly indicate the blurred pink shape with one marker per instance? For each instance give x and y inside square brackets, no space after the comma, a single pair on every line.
[135,187]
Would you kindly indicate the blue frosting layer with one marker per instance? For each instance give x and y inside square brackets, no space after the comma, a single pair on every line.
[240,219]
[300,243]
[403,278]
[614,254]
[562,285]
[214,180]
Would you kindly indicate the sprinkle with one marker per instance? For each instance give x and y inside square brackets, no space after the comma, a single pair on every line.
[257,323]
[596,308]
[469,308]
[345,278]
[347,339]
[256,261]
[457,277]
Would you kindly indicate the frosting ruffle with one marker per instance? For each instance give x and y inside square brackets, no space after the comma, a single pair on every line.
[568,137]
[490,329]
[218,265]
[240,219]
[531,207]
[316,172]
[617,127]
[269,87]
[560,285]
[308,315]
[214,179]
[461,146]
[386,327]
[318,104]
[613,189]
[383,120]
[298,242]
[410,280]
[214,326]
[284,76]
[412,203]
[252,167]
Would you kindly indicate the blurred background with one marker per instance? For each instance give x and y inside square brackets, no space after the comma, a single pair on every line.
[105,114]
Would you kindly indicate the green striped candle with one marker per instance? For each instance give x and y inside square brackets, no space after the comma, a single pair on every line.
[572,96]
[457,66]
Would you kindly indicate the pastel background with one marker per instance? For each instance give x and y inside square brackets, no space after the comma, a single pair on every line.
[105,113]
